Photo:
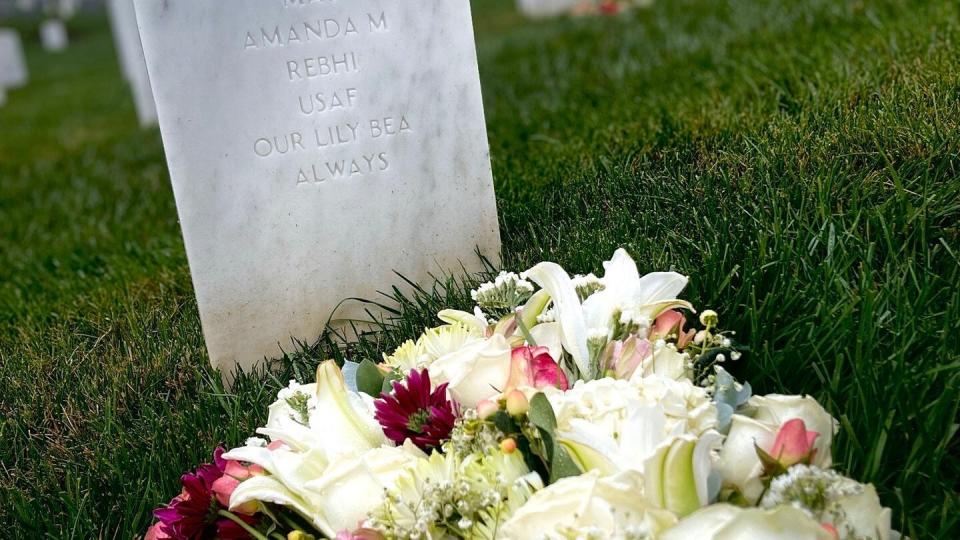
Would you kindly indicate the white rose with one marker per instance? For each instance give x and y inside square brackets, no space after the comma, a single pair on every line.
[726,522]
[476,372]
[862,516]
[588,506]
[740,466]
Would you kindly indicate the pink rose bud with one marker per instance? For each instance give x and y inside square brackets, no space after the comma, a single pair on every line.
[155,533]
[831,529]
[241,471]
[223,488]
[794,444]
[670,322]
[533,366]
[508,445]
[486,409]
[517,403]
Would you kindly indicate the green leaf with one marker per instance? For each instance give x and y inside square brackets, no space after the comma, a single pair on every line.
[388,381]
[369,378]
[563,465]
[541,413]
[504,423]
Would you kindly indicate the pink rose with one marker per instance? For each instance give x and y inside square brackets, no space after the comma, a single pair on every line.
[234,473]
[533,366]
[669,322]
[794,444]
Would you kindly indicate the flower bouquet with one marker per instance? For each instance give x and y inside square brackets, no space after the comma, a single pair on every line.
[561,407]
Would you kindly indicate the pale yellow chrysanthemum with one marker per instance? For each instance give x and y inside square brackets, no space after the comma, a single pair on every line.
[408,356]
[448,338]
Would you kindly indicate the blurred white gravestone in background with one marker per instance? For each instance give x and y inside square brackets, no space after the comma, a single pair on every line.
[546,8]
[315,147]
[53,35]
[123,20]
[13,66]
[66,8]
[26,5]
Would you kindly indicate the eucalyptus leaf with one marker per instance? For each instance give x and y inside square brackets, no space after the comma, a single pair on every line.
[369,378]
[541,413]
[388,381]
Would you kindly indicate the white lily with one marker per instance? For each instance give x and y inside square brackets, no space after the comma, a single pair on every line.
[567,310]
[288,472]
[625,299]
[334,420]
[677,475]
[315,488]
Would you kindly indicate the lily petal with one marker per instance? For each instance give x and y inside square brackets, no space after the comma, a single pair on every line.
[569,313]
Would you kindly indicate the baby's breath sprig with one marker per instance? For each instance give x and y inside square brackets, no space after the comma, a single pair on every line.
[504,294]
[711,347]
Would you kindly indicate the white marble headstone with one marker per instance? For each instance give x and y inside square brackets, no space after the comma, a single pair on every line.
[13,67]
[123,19]
[53,35]
[315,147]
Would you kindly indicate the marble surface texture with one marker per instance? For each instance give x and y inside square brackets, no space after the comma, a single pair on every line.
[123,21]
[316,147]
[13,66]
[53,35]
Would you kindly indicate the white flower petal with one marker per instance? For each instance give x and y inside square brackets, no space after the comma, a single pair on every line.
[566,304]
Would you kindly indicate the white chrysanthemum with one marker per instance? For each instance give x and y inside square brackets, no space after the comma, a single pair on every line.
[408,356]
[449,494]
[448,338]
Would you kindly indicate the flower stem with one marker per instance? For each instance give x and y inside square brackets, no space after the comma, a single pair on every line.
[250,530]
[523,328]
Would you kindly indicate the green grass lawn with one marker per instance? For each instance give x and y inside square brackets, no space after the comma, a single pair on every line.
[799,159]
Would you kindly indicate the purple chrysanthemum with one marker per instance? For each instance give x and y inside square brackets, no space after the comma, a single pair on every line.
[412,411]
[193,515]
